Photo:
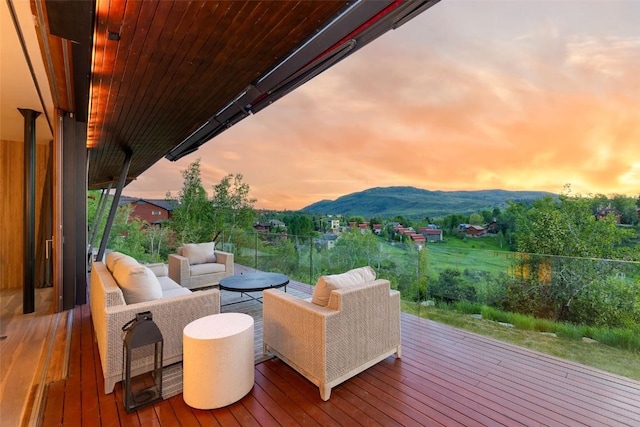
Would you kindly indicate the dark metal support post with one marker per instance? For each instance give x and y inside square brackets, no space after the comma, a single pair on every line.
[114,205]
[102,203]
[29,264]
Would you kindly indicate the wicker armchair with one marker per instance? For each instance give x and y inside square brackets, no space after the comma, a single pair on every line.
[358,328]
[190,268]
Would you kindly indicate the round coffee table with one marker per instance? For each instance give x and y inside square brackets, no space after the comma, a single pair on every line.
[254,282]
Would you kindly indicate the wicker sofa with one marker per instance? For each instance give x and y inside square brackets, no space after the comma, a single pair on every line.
[172,311]
[358,327]
[199,265]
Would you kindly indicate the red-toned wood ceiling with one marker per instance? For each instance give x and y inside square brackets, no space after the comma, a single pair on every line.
[161,69]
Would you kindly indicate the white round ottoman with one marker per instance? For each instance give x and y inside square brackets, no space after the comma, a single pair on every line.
[217,360]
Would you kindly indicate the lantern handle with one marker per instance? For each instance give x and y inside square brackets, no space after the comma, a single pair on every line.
[145,315]
[129,325]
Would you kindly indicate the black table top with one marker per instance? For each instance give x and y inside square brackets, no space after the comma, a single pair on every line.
[253,282]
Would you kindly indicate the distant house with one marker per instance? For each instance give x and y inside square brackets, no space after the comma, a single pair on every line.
[431,234]
[272,225]
[377,228]
[153,211]
[418,239]
[404,230]
[262,227]
[333,225]
[327,241]
[277,225]
[602,213]
[364,227]
[475,230]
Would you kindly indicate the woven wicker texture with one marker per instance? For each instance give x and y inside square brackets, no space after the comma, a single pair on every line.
[359,327]
[109,313]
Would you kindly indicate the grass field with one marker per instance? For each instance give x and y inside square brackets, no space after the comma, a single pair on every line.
[481,254]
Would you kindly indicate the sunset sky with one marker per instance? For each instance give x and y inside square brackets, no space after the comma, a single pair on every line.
[470,95]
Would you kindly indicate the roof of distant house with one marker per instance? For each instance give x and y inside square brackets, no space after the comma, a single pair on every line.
[431,231]
[168,205]
[475,227]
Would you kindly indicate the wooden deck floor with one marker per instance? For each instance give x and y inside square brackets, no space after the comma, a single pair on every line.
[445,377]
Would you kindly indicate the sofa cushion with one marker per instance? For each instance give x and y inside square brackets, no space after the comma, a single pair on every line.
[175,292]
[167,284]
[138,283]
[326,284]
[200,269]
[199,253]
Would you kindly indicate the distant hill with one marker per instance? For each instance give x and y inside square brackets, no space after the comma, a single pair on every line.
[411,202]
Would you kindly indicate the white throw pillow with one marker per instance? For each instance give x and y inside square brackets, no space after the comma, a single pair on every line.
[112,258]
[137,282]
[326,284]
[199,253]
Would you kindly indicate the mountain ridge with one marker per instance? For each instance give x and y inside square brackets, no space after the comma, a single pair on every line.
[413,202]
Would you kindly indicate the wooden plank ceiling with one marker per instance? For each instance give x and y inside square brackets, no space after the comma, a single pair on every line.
[162,69]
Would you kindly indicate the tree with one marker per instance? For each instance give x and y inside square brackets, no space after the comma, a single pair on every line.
[192,219]
[231,205]
[627,206]
[126,234]
[354,249]
[356,219]
[451,222]
[476,219]
[375,220]
[299,225]
[93,197]
[567,228]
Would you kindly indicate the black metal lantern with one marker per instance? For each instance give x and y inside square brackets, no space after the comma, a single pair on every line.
[140,334]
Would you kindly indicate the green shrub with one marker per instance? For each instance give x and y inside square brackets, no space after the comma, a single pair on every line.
[494,314]
[468,307]
[522,321]
[529,297]
[544,325]
[451,286]
[495,291]
[443,305]
[576,332]
[617,337]
[609,302]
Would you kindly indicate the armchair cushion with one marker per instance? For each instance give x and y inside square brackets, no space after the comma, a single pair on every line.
[199,253]
[200,269]
[326,284]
